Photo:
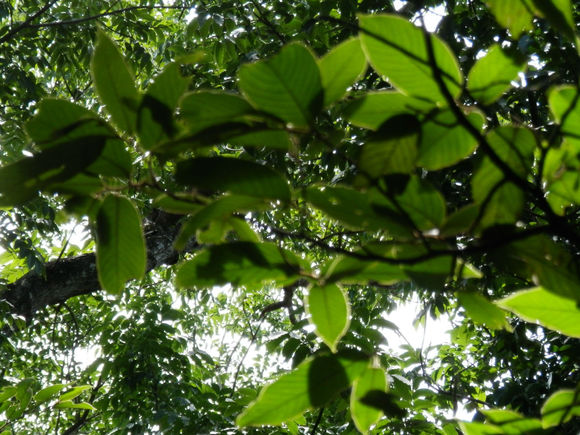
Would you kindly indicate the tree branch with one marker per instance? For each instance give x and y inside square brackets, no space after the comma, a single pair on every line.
[69,277]
[26,23]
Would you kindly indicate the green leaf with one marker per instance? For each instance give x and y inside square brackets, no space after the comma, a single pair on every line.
[340,68]
[7,392]
[60,121]
[288,85]
[176,203]
[480,429]
[74,392]
[444,142]
[512,422]
[559,14]
[392,149]
[398,50]
[423,204]
[564,191]
[565,106]
[114,160]
[312,384]
[356,210]
[480,310]
[503,201]
[544,261]
[512,14]
[492,74]
[350,270]
[69,404]
[233,175]
[202,109]
[219,210]
[329,311]
[114,83]
[21,180]
[155,121]
[240,263]
[48,392]
[121,251]
[560,408]
[374,108]
[365,416]
[546,308]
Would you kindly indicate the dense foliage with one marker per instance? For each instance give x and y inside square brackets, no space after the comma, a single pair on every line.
[220,204]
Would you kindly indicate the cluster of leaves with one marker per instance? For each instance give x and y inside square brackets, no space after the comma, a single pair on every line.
[379,164]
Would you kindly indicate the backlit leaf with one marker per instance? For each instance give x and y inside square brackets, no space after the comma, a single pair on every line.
[121,252]
[329,311]
[364,416]
[560,408]
[546,308]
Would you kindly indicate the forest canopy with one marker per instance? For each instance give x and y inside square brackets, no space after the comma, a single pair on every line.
[210,211]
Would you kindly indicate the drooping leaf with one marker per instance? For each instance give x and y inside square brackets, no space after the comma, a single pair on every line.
[69,404]
[374,108]
[340,68]
[546,308]
[365,416]
[480,310]
[512,14]
[560,408]
[155,120]
[312,384]
[114,83]
[287,85]
[233,175]
[74,392]
[329,311]
[121,251]
[399,50]
[444,141]
[240,263]
[492,75]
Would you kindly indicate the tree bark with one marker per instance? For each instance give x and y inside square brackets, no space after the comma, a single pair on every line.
[69,277]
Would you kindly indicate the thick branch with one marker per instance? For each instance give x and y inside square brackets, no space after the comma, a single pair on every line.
[69,277]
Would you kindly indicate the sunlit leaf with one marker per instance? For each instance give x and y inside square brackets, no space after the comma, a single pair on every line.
[365,416]
[560,408]
[398,50]
[512,14]
[546,308]
[480,310]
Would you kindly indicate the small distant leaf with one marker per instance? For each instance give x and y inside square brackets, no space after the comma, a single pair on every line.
[114,83]
[233,175]
[75,392]
[546,308]
[492,75]
[287,85]
[329,309]
[560,408]
[121,251]
[512,14]
[240,263]
[48,392]
[398,50]
[480,310]
[312,384]
[340,68]
[364,416]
